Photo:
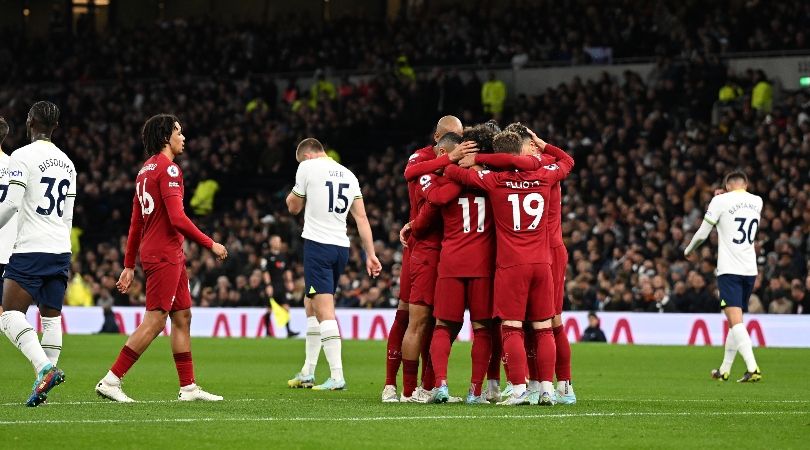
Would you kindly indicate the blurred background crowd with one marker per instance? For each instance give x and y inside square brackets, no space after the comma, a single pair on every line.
[650,150]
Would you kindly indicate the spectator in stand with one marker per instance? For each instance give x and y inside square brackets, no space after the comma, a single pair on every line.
[493,96]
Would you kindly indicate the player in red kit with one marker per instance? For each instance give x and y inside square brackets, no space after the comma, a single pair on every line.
[157,230]
[523,278]
[565,392]
[407,339]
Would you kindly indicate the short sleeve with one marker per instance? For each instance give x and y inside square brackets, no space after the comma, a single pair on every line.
[356,189]
[715,210]
[17,172]
[300,188]
[171,182]
[73,177]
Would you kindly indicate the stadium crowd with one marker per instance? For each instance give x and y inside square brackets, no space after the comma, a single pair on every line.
[649,153]
[569,32]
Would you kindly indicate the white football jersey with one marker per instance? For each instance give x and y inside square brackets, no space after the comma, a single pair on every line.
[8,233]
[736,215]
[329,189]
[49,179]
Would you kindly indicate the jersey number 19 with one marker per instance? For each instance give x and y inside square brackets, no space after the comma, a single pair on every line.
[528,208]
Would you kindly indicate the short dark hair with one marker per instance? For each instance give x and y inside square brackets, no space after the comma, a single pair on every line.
[308,145]
[45,113]
[4,129]
[482,135]
[449,139]
[157,131]
[736,174]
[520,129]
[507,142]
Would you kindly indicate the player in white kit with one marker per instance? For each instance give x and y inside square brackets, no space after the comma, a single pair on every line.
[8,233]
[42,187]
[330,192]
[736,214]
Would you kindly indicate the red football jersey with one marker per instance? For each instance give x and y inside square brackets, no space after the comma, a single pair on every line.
[555,236]
[153,212]
[468,245]
[519,202]
[432,238]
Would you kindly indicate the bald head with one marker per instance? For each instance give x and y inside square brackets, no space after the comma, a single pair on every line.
[447,124]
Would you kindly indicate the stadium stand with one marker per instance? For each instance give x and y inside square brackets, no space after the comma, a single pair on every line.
[649,150]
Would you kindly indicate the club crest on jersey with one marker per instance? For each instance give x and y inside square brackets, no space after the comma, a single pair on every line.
[425,181]
[173,171]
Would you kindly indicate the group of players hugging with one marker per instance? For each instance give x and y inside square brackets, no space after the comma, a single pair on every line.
[484,234]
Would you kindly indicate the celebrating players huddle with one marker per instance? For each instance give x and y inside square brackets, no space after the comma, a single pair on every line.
[485,235]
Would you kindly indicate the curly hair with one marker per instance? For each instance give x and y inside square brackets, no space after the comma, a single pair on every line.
[482,135]
[45,113]
[520,129]
[157,131]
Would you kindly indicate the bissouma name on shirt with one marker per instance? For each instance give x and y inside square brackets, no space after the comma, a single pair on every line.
[53,162]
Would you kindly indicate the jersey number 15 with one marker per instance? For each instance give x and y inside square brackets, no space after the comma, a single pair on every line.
[340,196]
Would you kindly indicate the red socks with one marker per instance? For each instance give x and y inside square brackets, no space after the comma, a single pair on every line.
[514,354]
[428,377]
[440,353]
[410,369]
[481,355]
[563,365]
[494,370]
[124,362]
[395,346]
[531,352]
[185,368]
[546,354]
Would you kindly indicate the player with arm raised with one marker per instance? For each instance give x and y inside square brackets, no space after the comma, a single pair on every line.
[327,192]
[418,280]
[157,229]
[523,279]
[8,233]
[465,275]
[531,143]
[42,187]
[736,214]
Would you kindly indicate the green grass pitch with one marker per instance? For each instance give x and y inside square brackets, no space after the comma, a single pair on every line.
[629,396]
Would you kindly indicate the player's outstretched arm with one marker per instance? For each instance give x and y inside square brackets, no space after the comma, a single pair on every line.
[564,161]
[442,193]
[181,222]
[416,169]
[358,210]
[505,161]
[10,199]
[700,236]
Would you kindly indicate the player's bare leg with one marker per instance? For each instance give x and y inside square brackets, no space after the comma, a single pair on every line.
[16,301]
[562,369]
[419,320]
[181,348]
[154,322]
[546,360]
[738,340]
[394,353]
[306,377]
[514,356]
[481,354]
[324,305]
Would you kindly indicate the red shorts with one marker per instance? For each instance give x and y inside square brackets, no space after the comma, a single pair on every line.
[524,292]
[167,286]
[405,276]
[454,294]
[559,264]
[424,270]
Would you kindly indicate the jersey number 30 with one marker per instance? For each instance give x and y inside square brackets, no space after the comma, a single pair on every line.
[57,203]
[748,236]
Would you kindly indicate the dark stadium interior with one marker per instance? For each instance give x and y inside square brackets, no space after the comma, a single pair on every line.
[370,78]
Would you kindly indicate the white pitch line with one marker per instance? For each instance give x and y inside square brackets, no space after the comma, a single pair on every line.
[395,418]
[690,400]
[107,402]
